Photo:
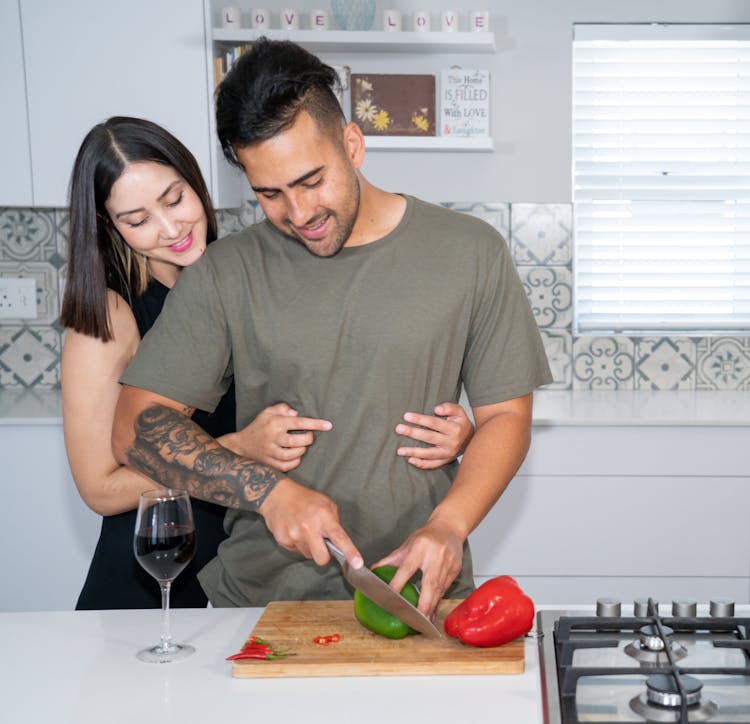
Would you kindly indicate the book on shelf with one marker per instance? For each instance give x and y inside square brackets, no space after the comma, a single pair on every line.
[393,104]
[223,63]
[464,102]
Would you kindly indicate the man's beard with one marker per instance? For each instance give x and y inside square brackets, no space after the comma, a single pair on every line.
[343,232]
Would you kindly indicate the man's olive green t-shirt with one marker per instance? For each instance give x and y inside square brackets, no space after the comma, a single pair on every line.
[360,338]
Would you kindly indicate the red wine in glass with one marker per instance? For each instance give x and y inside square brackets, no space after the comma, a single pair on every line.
[164,543]
[165,551]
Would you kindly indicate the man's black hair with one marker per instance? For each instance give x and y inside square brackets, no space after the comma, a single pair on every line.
[263,93]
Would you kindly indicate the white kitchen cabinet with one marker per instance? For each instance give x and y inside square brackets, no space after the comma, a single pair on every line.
[624,511]
[620,495]
[86,61]
[48,535]
[15,170]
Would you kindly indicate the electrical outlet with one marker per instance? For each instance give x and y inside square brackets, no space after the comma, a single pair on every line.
[17,298]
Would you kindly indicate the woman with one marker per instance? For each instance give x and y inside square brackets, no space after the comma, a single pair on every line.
[140,212]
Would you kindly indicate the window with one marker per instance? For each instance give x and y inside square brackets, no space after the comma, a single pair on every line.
[661,178]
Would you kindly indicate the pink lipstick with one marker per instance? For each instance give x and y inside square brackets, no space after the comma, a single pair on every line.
[183,245]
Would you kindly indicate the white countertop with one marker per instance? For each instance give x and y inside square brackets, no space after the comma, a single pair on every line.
[80,668]
[551,407]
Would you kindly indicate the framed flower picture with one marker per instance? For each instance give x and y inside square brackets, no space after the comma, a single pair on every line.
[393,104]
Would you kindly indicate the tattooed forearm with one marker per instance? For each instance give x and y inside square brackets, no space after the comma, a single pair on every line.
[177,453]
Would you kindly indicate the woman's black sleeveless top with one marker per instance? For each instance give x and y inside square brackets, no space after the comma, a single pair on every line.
[115,579]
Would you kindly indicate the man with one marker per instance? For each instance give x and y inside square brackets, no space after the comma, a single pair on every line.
[351,303]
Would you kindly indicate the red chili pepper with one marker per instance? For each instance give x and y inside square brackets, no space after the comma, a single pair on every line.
[256,648]
[496,613]
[252,651]
[325,640]
[249,655]
[257,655]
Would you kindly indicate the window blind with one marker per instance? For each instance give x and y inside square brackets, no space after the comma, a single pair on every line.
[661,178]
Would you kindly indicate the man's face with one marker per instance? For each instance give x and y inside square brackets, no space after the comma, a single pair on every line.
[306,185]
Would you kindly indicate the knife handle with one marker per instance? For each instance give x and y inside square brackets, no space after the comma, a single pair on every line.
[336,552]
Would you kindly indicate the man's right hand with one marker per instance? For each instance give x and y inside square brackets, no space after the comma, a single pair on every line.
[300,518]
[155,435]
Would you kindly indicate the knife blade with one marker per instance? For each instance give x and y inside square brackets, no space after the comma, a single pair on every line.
[378,591]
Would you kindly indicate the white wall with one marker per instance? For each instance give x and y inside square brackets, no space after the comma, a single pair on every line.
[531,105]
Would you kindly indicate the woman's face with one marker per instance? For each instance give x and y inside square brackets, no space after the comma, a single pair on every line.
[159,215]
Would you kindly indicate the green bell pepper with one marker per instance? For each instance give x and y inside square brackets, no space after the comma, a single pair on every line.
[378,620]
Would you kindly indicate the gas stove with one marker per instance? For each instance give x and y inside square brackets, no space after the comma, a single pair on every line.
[678,663]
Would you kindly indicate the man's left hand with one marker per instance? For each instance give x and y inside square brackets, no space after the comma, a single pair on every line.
[436,549]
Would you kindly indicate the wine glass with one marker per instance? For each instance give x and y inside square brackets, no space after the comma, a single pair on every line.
[164,543]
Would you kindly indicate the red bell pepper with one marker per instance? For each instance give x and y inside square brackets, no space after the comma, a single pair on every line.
[497,612]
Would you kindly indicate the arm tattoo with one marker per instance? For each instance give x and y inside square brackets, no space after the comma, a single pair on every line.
[174,451]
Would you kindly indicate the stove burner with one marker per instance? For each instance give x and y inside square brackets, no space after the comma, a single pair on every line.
[662,700]
[651,649]
[662,689]
[659,714]
[650,638]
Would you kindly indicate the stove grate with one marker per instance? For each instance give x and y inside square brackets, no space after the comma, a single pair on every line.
[566,645]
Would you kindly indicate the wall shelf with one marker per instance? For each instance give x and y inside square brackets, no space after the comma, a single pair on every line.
[226,187]
[364,41]
[428,143]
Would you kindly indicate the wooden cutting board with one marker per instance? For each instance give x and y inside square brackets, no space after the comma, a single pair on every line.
[360,652]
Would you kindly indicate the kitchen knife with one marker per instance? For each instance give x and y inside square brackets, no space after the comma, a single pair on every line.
[379,592]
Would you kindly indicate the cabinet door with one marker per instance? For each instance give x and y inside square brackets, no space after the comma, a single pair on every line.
[15,169]
[86,61]
[45,563]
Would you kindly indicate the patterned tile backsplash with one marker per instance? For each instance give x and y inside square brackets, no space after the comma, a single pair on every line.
[33,244]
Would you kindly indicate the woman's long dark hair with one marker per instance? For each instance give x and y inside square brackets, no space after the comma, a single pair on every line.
[98,257]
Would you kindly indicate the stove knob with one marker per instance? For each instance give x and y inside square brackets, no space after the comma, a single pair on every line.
[721,607]
[640,607]
[608,607]
[684,608]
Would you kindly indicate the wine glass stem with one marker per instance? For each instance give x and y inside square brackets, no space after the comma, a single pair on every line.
[166,636]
